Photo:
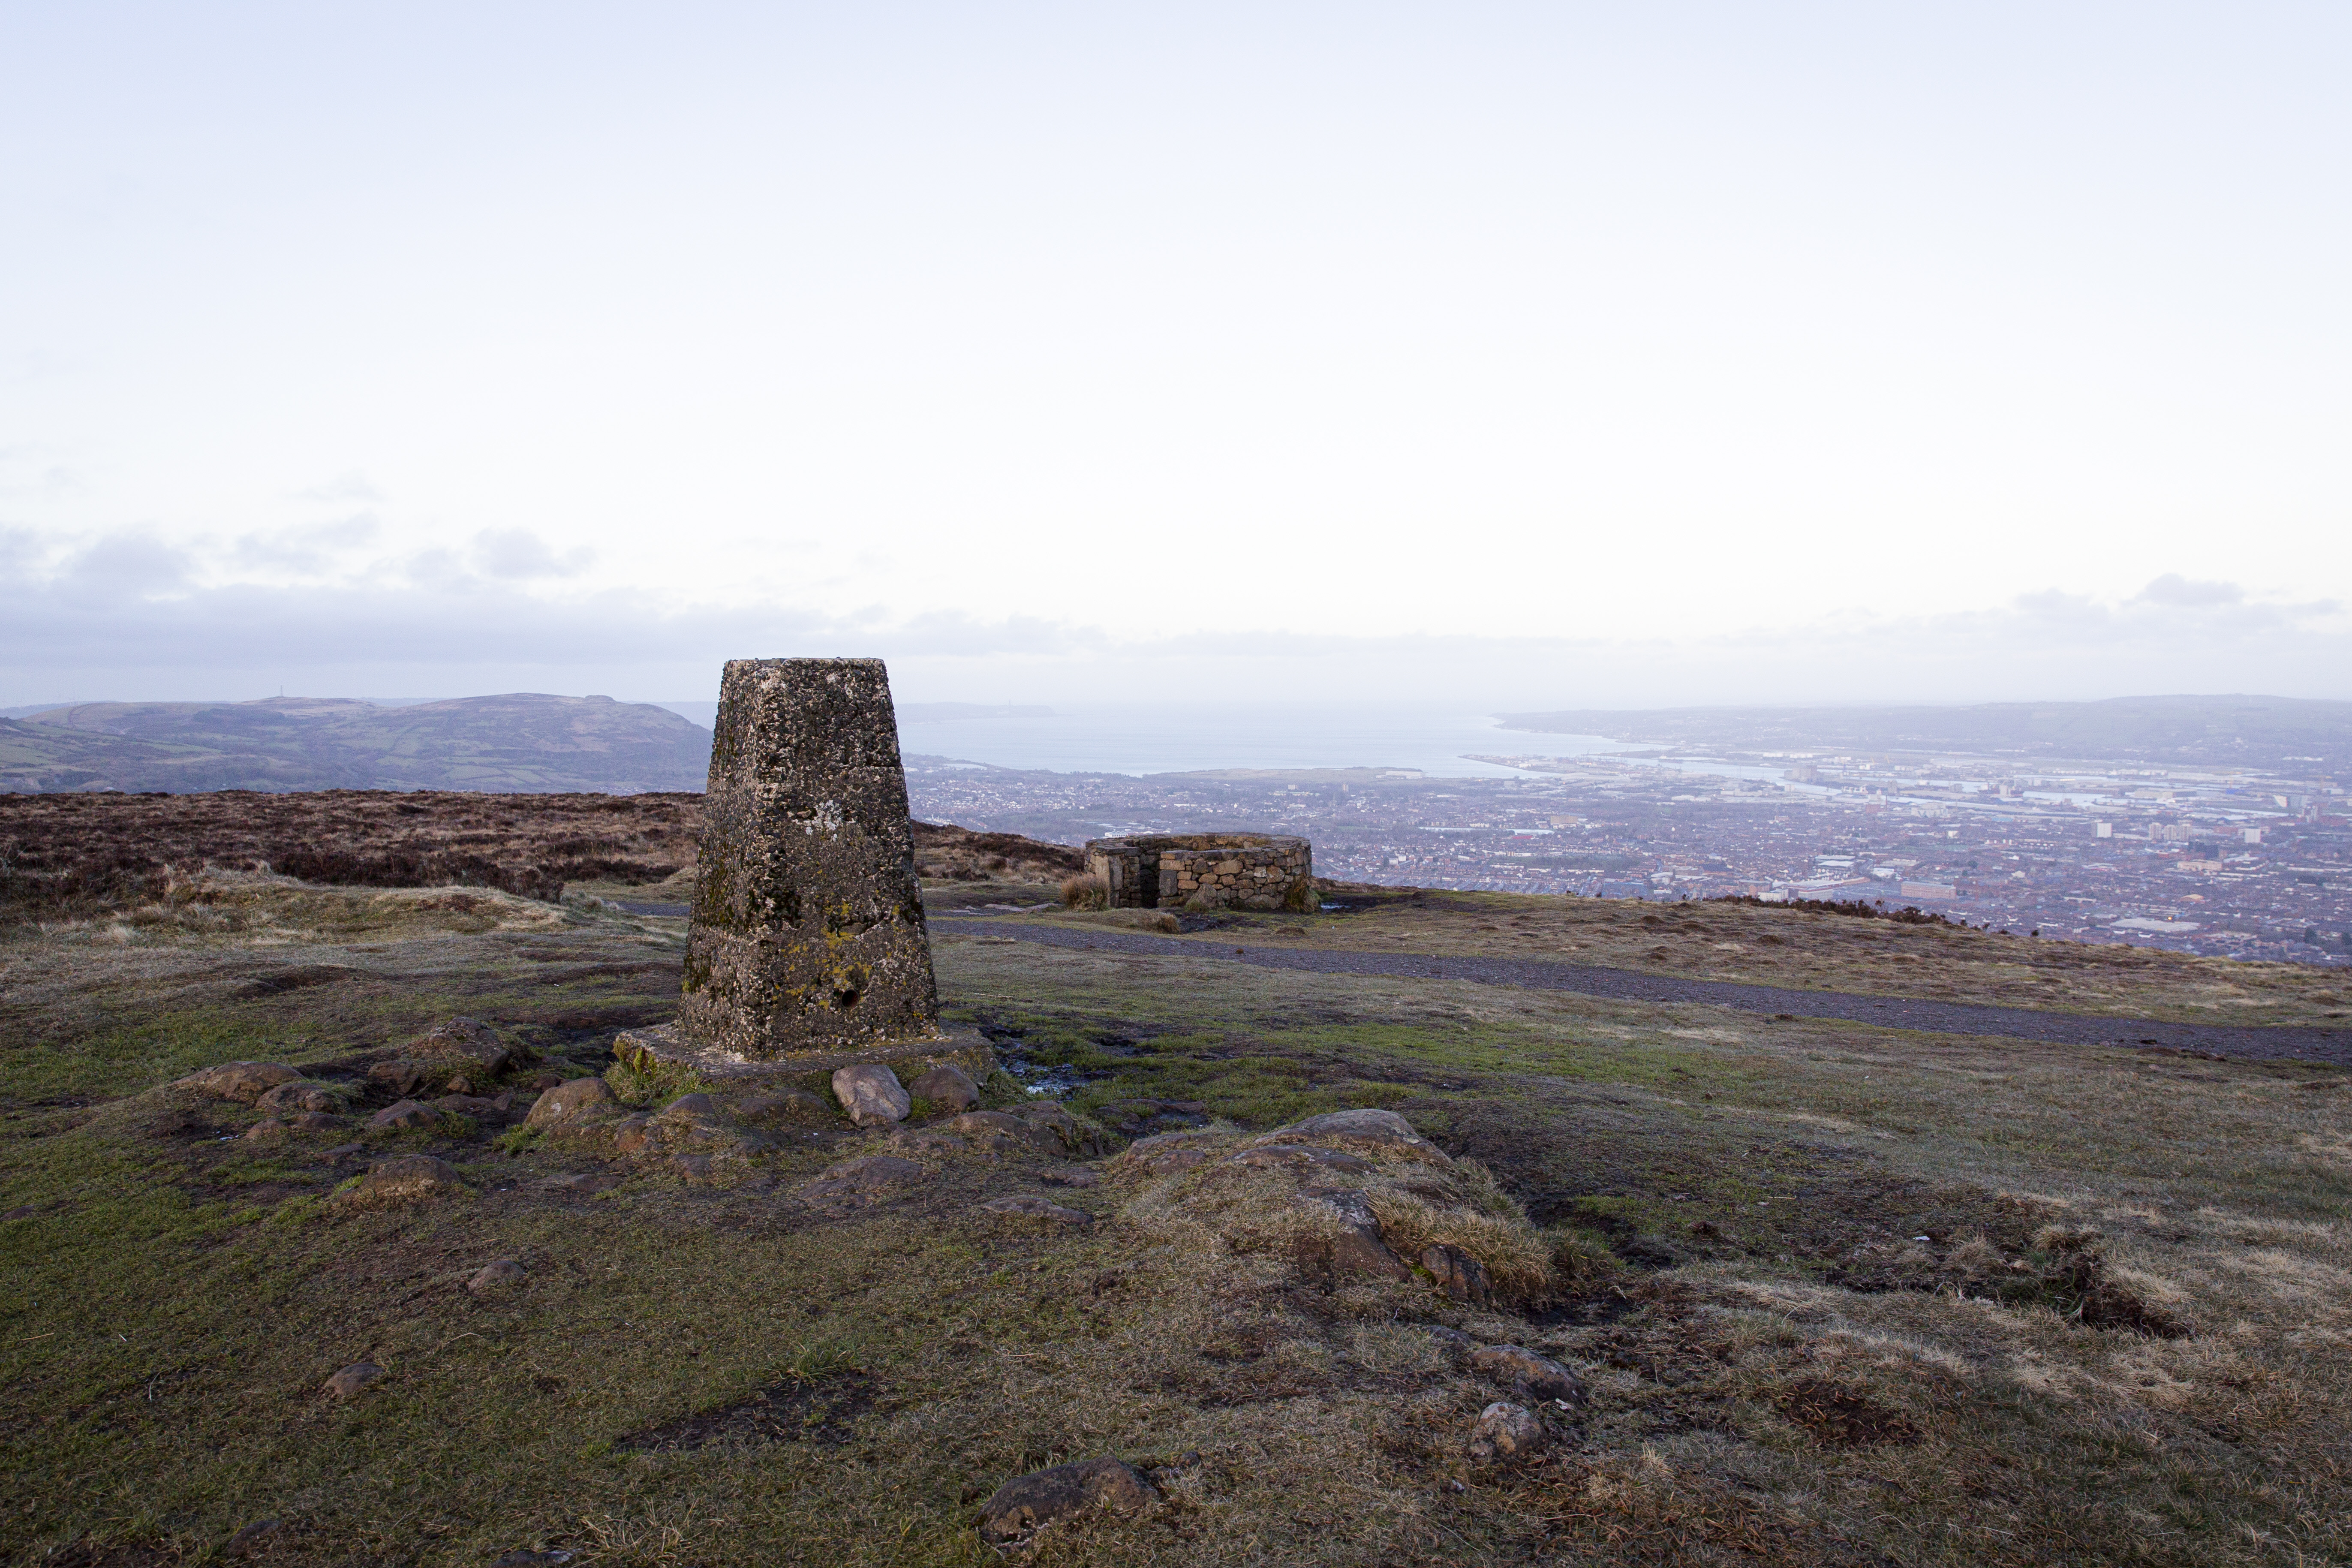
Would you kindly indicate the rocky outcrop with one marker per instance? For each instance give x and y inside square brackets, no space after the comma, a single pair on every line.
[244,1083]
[459,1055]
[1528,1374]
[1353,1244]
[1366,1128]
[1026,1504]
[413,1178]
[1504,1431]
[569,1101]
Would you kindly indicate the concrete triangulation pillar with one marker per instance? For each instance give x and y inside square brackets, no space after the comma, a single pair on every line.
[807,935]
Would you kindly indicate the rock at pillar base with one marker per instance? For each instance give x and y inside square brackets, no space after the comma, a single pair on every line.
[808,930]
[948,1087]
[871,1093]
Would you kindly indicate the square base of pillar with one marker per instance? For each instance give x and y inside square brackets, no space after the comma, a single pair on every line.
[954,1046]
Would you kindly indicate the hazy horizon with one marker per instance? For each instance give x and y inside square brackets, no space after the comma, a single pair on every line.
[1562,355]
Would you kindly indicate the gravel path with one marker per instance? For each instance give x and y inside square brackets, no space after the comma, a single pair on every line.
[2297,1043]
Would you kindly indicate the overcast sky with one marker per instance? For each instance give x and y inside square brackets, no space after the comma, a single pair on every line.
[1489,354]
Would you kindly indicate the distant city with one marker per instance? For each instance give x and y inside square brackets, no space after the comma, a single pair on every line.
[2235,862]
[2210,825]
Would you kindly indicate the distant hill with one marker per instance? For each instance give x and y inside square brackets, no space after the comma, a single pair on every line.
[2274,731]
[705,713]
[524,742]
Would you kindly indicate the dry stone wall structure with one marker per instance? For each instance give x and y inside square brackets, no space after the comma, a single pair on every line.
[807,933]
[1205,871]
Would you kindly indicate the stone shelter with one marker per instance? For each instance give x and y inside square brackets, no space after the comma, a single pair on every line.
[1205,871]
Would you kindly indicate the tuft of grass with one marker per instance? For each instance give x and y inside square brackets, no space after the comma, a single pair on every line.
[1085,891]
[654,1082]
[1516,1256]
[816,1359]
[517,1140]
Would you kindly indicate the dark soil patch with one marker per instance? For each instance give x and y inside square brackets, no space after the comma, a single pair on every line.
[1842,1418]
[1594,1309]
[822,1411]
[298,977]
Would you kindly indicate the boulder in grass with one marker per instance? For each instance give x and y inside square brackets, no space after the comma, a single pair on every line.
[499,1275]
[1072,1139]
[1504,1431]
[1303,1156]
[1374,1131]
[1355,1244]
[268,1130]
[404,1078]
[469,1048]
[1527,1374]
[1026,1504]
[569,1100]
[245,1083]
[694,1117]
[948,1087]
[872,1094]
[405,1115]
[1001,1132]
[1462,1277]
[411,1179]
[353,1378]
[296,1097]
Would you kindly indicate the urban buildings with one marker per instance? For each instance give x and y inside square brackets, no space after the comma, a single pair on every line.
[2233,861]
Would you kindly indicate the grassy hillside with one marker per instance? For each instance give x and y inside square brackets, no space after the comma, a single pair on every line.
[520,742]
[1828,1293]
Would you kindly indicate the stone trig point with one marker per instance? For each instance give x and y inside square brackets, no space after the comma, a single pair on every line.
[1205,871]
[807,946]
